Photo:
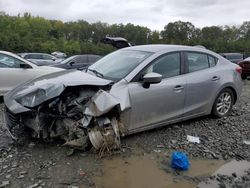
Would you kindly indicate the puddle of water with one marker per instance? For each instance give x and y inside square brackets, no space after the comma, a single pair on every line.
[143,172]
[238,167]
[202,167]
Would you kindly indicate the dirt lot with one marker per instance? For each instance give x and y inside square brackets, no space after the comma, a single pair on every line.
[142,162]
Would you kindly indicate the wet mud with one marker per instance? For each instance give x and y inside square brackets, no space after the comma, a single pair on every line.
[146,172]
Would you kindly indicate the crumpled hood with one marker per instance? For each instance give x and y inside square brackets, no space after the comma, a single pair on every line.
[52,85]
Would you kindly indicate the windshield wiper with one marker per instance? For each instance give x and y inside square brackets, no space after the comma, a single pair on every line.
[96,72]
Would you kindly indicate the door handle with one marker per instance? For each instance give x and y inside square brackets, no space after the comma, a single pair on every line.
[178,88]
[215,78]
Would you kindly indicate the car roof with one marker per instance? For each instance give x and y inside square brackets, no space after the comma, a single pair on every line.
[83,55]
[232,54]
[11,54]
[89,55]
[154,48]
[35,53]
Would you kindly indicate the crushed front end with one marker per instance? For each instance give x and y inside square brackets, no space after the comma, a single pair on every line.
[80,115]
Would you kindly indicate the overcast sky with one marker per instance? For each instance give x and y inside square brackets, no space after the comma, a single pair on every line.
[154,14]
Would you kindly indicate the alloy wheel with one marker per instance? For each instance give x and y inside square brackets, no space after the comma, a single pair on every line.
[224,103]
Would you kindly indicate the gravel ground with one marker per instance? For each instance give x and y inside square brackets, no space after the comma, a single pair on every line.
[232,181]
[47,164]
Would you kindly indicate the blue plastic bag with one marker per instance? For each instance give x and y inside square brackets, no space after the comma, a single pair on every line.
[180,161]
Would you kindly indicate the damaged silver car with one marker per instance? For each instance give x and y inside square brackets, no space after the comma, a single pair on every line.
[128,91]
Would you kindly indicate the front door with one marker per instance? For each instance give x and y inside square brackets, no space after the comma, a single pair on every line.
[160,102]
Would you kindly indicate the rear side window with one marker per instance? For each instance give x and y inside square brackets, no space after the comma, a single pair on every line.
[168,65]
[47,57]
[197,61]
[212,61]
[33,56]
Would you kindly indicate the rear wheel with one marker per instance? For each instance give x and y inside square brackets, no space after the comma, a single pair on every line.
[223,103]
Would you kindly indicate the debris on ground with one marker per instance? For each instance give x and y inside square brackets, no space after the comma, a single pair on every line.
[82,173]
[247,142]
[193,139]
[160,146]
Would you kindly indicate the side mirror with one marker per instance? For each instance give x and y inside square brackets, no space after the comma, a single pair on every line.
[71,63]
[25,66]
[151,78]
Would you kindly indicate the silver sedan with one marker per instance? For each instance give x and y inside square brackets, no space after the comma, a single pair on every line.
[130,90]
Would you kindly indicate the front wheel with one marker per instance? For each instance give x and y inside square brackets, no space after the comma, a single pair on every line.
[223,103]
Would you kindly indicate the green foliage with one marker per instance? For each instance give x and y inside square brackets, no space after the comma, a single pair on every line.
[36,34]
[72,47]
[178,32]
[48,46]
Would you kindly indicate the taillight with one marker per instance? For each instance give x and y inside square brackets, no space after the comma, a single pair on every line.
[239,70]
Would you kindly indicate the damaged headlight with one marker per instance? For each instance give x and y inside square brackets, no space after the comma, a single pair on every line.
[32,99]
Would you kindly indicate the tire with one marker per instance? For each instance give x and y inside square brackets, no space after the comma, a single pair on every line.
[244,76]
[223,103]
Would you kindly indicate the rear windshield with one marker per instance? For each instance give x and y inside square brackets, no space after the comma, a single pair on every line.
[235,56]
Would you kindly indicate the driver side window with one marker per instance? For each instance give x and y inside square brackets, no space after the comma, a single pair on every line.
[9,62]
[168,65]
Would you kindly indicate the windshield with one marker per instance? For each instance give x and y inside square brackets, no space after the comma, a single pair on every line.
[67,60]
[118,64]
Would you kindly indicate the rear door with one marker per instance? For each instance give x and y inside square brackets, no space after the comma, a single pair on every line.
[203,81]
[160,102]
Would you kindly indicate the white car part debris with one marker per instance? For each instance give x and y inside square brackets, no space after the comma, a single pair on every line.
[193,139]
[247,142]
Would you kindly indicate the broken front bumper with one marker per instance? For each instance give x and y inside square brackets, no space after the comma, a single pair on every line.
[103,136]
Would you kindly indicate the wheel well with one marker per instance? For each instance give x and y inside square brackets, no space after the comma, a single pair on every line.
[234,93]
